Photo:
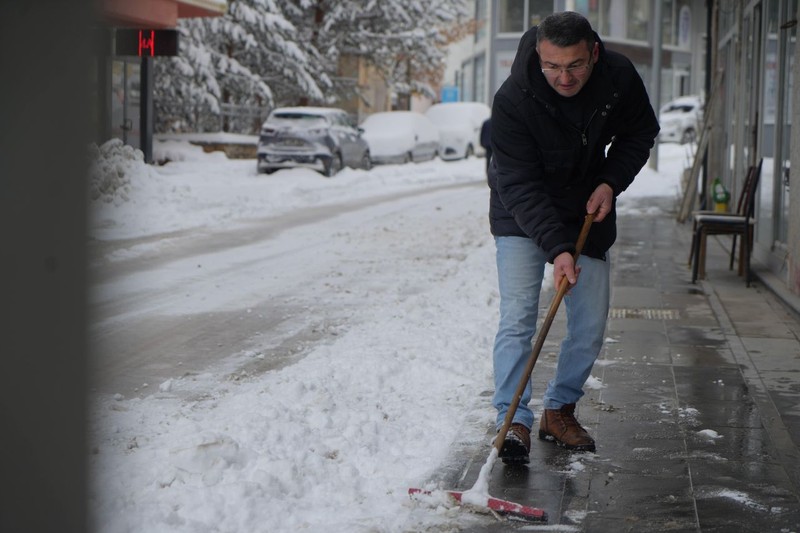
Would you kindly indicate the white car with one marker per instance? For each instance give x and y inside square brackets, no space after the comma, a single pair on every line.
[459,126]
[681,119]
[400,137]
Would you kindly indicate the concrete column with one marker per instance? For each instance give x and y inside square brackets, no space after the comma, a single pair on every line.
[45,59]
[793,239]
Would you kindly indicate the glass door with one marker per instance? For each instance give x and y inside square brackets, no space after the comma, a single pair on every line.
[125,77]
[752,95]
[788,37]
[748,95]
[772,226]
[770,127]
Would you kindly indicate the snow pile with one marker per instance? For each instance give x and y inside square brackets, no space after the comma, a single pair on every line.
[173,150]
[709,434]
[113,165]
[594,383]
[332,440]
[198,189]
[739,497]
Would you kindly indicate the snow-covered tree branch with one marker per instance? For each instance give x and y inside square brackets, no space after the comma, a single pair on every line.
[265,53]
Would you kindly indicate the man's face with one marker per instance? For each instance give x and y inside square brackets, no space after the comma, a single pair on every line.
[567,69]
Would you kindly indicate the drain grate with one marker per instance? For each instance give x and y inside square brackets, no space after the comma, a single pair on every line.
[648,314]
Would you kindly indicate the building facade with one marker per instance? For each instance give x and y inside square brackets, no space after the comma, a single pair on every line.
[755,44]
[466,75]
[480,63]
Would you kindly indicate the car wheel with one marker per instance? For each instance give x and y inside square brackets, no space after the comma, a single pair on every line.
[688,136]
[366,161]
[333,166]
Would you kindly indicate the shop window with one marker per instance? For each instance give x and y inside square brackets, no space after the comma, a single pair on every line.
[517,16]
[480,79]
[538,10]
[467,82]
[511,16]
[638,20]
[677,24]
[480,20]
[597,12]
[668,25]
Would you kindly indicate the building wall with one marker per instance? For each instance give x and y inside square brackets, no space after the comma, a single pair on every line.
[373,95]
[468,59]
[624,26]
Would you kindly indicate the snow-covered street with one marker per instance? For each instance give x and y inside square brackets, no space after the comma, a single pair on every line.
[289,352]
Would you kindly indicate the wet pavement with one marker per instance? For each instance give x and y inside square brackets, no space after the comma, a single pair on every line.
[694,404]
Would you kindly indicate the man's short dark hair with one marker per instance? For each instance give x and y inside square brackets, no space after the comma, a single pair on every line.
[565,29]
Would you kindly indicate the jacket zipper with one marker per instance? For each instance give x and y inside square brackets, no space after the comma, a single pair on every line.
[584,140]
[583,133]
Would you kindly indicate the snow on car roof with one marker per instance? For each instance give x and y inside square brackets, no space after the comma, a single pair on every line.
[310,110]
[685,100]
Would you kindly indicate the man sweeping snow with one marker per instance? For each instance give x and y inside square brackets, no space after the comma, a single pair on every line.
[571,127]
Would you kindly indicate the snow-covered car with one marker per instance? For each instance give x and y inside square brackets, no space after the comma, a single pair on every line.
[680,119]
[400,137]
[459,126]
[320,138]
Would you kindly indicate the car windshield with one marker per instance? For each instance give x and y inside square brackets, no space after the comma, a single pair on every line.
[680,108]
[302,120]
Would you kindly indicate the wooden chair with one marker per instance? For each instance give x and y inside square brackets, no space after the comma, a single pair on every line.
[705,213]
[735,224]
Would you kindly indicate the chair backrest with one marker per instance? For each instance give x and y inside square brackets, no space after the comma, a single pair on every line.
[742,201]
[750,191]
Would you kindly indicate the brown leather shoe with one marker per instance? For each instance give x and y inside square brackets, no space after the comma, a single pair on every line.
[561,426]
[516,446]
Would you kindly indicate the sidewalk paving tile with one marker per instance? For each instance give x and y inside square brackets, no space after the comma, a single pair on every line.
[694,405]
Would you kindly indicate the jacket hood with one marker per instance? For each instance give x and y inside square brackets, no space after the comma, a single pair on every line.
[525,70]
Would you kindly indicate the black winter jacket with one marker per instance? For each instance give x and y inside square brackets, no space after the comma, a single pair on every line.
[545,167]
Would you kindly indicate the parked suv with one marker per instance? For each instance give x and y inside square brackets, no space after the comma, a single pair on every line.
[320,138]
[680,119]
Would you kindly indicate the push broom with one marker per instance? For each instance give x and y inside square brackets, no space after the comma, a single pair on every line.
[478,496]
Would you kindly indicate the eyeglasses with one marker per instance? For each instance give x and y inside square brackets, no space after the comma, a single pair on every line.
[574,71]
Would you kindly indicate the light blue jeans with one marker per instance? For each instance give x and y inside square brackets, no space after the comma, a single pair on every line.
[520,270]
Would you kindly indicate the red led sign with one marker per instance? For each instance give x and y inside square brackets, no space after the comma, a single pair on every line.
[146,43]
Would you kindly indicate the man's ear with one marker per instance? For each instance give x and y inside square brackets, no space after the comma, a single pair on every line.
[595,52]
